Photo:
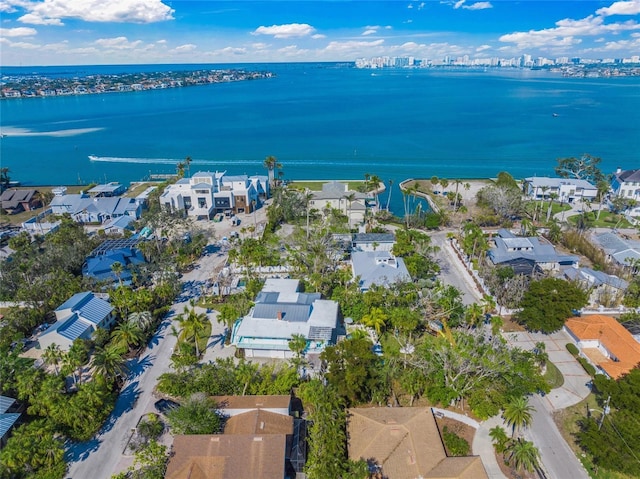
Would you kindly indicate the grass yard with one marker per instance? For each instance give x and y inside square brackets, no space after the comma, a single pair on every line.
[607,220]
[553,376]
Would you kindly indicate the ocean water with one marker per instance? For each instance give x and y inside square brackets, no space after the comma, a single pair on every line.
[324,121]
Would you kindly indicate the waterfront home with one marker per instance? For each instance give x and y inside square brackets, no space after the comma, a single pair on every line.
[99,263]
[280,311]
[527,255]
[404,443]
[15,201]
[605,289]
[626,184]
[379,268]
[117,226]
[336,195]
[207,193]
[620,251]
[84,209]
[605,343]
[78,317]
[567,190]
[107,190]
[143,198]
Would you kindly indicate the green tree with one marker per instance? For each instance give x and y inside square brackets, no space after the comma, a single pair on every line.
[118,268]
[523,455]
[271,164]
[195,416]
[517,414]
[376,319]
[586,167]
[108,363]
[298,344]
[549,303]
[499,439]
[193,326]
[53,356]
[126,335]
[150,462]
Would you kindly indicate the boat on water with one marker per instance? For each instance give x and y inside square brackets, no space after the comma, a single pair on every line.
[555,115]
[93,157]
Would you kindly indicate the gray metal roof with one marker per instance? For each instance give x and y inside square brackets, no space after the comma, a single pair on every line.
[87,306]
[536,251]
[378,267]
[595,278]
[290,312]
[374,238]
[73,328]
[540,181]
[629,175]
[5,403]
[7,420]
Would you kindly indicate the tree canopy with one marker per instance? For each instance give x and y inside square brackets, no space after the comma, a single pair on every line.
[586,167]
[549,303]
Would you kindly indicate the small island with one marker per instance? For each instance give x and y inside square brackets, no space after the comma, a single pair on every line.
[33,86]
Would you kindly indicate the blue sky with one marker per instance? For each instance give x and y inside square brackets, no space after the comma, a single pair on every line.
[66,32]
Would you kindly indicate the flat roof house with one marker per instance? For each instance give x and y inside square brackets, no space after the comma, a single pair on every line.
[404,443]
[527,254]
[379,268]
[605,343]
[567,189]
[78,317]
[280,311]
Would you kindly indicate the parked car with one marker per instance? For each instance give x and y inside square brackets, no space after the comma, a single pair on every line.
[163,406]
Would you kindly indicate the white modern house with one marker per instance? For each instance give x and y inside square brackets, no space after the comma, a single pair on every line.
[626,184]
[373,241]
[379,268]
[567,190]
[336,195]
[207,193]
[86,209]
[280,311]
[78,317]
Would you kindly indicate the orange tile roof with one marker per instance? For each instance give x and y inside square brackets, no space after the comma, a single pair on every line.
[405,443]
[613,337]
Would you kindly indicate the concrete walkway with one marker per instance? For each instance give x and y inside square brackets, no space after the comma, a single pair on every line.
[483,446]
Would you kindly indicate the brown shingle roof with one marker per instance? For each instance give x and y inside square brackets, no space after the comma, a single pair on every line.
[259,421]
[227,457]
[405,443]
[613,337]
[252,402]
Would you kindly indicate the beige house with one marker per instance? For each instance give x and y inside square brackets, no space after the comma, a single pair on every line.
[336,195]
[404,443]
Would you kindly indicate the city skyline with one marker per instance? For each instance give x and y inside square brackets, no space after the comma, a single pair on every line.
[76,32]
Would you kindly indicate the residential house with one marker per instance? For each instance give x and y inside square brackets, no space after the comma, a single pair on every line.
[379,268]
[620,251]
[626,184]
[605,343]
[78,317]
[228,456]
[143,198]
[118,226]
[9,415]
[374,241]
[234,405]
[527,255]
[15,201]
[280,311]
[605,289]
[107,190]
[84,209]
[567,190]
[208,193]
[99,263]
[335,195]
[404,443]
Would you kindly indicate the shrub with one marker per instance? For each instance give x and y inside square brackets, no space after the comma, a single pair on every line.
[456,445]
[588,367]
[573,349]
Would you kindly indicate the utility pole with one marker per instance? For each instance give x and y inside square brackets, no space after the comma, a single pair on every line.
[605,411]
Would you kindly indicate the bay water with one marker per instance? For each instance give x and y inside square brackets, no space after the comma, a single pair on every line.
[324,121]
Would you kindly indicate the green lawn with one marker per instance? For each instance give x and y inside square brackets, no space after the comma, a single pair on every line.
[607,220]
[553,376]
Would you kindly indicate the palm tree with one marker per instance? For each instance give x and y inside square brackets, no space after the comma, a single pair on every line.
[523,454]
[552,197]
[499,438]
[76,358]
[271,164]
[108,363]
[53,356]
[517,414]
[375,184]
[488,304]
[473,314]
[444,182]
[376,319]
[127,334]
[187,163]
[350,199]
[389,196]
[144,319]
[193,324]
[117,268]
[5,179]
[435,181]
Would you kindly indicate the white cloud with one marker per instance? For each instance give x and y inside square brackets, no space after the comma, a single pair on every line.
[18,32]
[187,48]
[260,46]
[317,36]
[620,8]
[410,6]
[371,31]
[567,31]
[458,4]
[118,43]
[421,5]
[352,45]
[286,31]
[478,6]
[162,42]
[482,48]
[24,45]
[52,12]
[229,51]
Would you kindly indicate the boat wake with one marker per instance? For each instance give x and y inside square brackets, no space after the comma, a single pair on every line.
[155,161]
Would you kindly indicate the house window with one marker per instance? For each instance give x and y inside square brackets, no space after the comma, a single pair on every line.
[202,192]
[187,202]
[202,202]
